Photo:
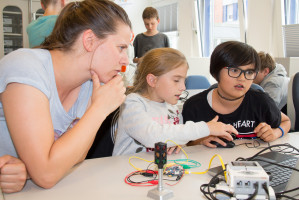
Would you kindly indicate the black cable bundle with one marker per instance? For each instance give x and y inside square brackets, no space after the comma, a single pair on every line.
[212,184]
[215,180]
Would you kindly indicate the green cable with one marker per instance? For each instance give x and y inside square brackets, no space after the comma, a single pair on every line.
[186,166]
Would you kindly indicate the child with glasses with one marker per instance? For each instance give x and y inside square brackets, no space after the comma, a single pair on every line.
[253,113]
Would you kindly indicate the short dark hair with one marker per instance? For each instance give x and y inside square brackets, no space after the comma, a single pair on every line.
[150,12]
[233,54]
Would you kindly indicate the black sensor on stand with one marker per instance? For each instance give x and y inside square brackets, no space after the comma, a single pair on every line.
[160,154]
[160,159]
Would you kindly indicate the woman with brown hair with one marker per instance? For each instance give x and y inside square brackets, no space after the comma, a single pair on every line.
[52,102]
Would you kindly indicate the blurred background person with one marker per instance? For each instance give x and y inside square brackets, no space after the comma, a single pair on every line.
[41,28]
[273,78]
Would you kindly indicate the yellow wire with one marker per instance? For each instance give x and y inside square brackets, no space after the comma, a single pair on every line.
[179,147]
[222,163]
[138,169]
[186,172]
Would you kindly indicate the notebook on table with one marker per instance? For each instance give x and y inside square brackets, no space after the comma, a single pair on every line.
[281,179]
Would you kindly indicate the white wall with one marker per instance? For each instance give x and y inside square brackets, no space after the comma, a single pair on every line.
[264,29]
[200,66]
[265,26]
[188,43]
[260,24]
[187,38]
[277,40]
[134,9]
[291,64]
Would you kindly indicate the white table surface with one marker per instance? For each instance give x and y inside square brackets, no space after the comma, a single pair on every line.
[103,178]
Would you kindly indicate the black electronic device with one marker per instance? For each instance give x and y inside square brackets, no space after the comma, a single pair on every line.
[160,154]
[160,193]
[229,144]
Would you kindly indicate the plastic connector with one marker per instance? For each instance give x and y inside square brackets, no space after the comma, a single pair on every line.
[154,182]
[147,174]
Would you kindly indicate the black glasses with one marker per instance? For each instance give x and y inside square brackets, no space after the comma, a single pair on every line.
[234,72]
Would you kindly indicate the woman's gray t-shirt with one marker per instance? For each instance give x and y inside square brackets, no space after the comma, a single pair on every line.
[34,67]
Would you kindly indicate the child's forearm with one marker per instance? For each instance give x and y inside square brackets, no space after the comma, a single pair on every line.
[195,142]
[285,125]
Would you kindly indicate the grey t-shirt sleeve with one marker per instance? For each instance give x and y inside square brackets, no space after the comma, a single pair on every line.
[21,66]
[26,69]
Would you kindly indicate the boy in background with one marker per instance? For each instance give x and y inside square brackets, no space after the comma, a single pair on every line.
[41,28]
[273,78]
[150,39]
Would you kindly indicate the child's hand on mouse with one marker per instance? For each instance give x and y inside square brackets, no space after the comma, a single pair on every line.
[220,129]
[207,141]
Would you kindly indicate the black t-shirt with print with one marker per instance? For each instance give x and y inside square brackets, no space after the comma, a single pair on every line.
[255,108]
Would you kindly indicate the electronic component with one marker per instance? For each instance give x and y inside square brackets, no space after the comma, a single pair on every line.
[245,180]
[249,180]
[245,177]
[160,193]
[174,170]
[160,154]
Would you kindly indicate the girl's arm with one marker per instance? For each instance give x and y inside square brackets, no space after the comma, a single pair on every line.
[137,122]
[29,122]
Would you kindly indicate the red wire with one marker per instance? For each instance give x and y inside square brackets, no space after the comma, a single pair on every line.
[150,182]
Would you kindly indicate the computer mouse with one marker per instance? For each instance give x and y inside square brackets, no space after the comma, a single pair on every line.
[229,144]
